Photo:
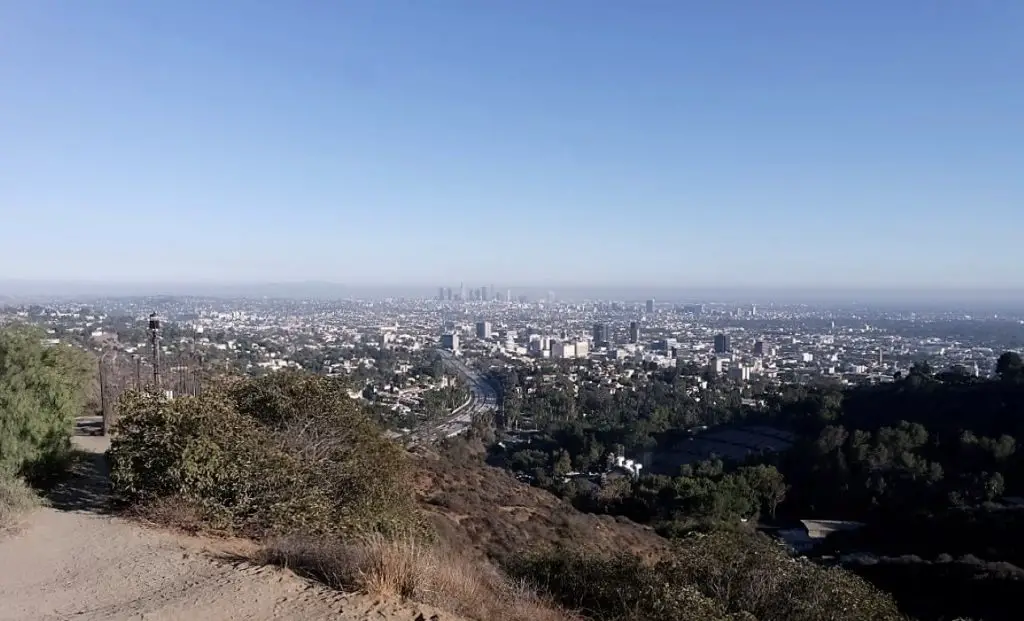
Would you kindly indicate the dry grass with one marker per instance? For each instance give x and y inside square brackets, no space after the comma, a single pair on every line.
[16,499]
[415,571]
[175,513]
[483,509]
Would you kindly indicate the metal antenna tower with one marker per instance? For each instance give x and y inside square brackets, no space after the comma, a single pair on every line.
[154,337]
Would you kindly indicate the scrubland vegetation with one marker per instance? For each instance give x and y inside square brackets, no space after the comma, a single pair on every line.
[290,460]
[42,389]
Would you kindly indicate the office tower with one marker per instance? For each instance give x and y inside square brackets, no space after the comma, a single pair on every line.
[753,310]
[600,334]
[462,292]
[759,348]
[508,295]
[634,332]
[450,342]
[483,330]
[484,294]
[722,344]
[650,307]
[582,349]
[448,293]
[440,294]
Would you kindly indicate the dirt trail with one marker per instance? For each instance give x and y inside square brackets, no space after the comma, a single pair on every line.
[71,560]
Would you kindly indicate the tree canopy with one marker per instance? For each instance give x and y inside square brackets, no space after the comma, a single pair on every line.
[42,390]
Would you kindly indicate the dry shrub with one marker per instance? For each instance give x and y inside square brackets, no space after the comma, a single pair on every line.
[16,498]
[420,572]
[173,512]
[291,454]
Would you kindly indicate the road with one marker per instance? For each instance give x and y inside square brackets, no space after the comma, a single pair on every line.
[482,398]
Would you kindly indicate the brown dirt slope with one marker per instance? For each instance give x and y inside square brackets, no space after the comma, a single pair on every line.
[483,508]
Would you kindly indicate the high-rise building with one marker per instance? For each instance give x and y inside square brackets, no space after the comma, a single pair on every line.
[722,344]
[650,307]
[600,334]
[448,293]
[484,294]
[563,349]
[450,342]
[483,330]
[440,294]
[759,348]
[634,332]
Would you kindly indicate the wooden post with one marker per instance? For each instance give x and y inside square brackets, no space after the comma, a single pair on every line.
[104,410]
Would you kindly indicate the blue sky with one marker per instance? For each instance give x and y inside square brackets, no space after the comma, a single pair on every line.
[784,143]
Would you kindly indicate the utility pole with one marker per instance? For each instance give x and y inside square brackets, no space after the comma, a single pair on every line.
[103,398]
[154,335]
[138,372]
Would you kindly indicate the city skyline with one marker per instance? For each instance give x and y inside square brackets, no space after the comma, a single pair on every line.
[801,145]
[948,298]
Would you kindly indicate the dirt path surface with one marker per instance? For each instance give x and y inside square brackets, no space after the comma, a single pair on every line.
[71,560]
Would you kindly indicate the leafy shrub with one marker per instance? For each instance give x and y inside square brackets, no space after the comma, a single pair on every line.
[747,571]
[42,389]
[281,454]
[203,452]
[717,576]
[365,475]
[614,588]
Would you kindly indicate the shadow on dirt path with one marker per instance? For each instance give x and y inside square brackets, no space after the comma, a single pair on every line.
[87,484]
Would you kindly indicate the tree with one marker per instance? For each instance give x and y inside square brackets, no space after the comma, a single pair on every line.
[563,464]
[42,389]
[768,484]
[1010,365]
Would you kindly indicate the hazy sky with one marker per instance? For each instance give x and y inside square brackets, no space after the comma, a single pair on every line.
[852,143]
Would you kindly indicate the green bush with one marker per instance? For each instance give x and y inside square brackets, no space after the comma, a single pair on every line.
[42,389]
[723,575]
[613,588]
[200,450]
[365,474]
[277,455]
[748,571]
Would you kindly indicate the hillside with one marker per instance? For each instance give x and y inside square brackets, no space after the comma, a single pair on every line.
[73,559]
[483,508]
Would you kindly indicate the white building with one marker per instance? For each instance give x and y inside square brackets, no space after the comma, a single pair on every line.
[563,349]
[450,342]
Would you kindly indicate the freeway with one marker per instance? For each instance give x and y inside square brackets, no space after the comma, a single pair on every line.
[482,398]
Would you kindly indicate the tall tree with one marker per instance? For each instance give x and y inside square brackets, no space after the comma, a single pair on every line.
[1010,365]
[42,389]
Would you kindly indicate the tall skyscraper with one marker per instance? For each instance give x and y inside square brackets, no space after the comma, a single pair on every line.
[450,342]
[600,334]
[448,293]
[650,307]
[483,330]
[440,294]
[722,344]
[759,348]
[634,332]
